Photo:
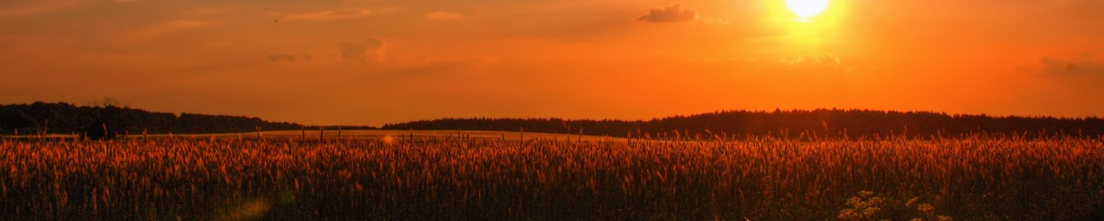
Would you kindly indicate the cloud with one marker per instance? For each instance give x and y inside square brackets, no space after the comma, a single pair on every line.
[442,16]
[1084,66]
[1081,75]
[281,57]
[17,8]
[369,49]
[327,15]
[288,57]
[816,60]
[163,28]
[825,63]
[673,13]
[205,11]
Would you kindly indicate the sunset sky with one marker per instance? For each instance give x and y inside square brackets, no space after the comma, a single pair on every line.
[371,62]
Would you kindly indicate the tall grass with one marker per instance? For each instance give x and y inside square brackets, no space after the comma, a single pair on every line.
[980,178]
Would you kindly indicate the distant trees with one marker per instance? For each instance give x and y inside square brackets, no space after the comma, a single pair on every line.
[13,120]
[823,123]
[108,119]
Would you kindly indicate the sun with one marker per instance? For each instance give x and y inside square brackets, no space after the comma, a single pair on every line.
[806,9]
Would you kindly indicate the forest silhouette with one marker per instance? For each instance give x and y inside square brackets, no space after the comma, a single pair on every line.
[112,120]
[794,124]
[109,121]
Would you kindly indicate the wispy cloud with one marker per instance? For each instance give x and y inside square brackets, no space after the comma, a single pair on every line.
[824,63]
[1083,66]
[367,50]
[326,15]
[1073,74]
[206,11]
[281,57]
[673,13]
[158,30]
[289,57]
[17,8]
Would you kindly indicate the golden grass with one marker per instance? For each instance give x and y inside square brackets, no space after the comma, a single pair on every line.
[980,178]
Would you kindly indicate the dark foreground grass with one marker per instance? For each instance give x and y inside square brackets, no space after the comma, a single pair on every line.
[453,179]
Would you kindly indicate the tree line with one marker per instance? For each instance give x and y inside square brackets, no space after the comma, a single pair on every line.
[795,124]
[110,120]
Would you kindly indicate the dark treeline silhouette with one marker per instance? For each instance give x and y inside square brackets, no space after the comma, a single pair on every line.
[109,121]
[821,123]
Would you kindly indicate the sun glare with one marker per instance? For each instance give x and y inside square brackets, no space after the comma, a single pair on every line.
[806,9]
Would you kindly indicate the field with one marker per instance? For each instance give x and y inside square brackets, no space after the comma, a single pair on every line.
[495,176]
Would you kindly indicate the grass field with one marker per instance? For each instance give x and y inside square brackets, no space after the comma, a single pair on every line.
[441,176]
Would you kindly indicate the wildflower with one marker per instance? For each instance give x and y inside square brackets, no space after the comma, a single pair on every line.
[869,212]
[875,200]
[911,201]
[944,218]
[925,208]
[916,219]
[847,214]
[854,201]
[865,193]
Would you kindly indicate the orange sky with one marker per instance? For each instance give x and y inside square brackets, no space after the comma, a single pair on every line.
[381,61]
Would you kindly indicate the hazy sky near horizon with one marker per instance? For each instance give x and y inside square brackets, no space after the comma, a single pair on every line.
[382,61]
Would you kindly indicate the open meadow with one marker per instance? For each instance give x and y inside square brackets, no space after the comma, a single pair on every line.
[577,110]
[447,177]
